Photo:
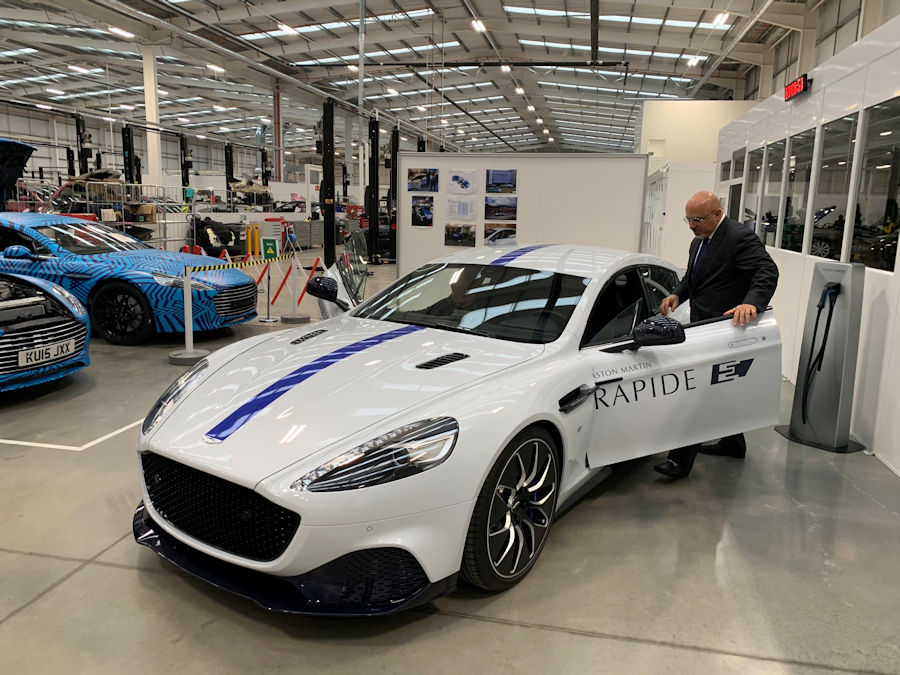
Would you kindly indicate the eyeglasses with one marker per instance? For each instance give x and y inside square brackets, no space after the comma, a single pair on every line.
[698,219]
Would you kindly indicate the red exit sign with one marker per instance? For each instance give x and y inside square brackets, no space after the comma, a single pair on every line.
[798,86]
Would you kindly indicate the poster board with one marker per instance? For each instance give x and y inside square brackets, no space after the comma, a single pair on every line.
[447,200]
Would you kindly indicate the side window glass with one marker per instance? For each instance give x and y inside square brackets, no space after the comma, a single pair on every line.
[13,238]
[659,283]
[619,308]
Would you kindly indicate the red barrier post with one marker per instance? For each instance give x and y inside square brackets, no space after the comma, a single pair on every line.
[311,273]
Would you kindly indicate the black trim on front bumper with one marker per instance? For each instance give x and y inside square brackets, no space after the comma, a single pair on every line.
[309,593]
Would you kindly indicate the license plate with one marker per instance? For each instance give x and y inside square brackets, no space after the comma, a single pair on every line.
[52,352]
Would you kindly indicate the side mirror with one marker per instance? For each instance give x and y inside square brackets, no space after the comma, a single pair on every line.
[326,288]
[653,332]
[17,252]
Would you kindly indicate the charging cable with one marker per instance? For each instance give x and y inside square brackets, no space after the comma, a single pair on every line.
[829,295]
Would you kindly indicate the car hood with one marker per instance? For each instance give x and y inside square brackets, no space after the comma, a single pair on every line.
[166,262]
[332,385]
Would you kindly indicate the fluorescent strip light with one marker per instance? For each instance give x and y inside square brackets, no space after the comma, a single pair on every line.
[352,68]
[184,120]
[478,26]
[125,106]
[60,92]
[284,27]
[201,137]
[265,120]
[109,119]
[43,106]
[392,91]
[216,69]
[79,69]
[121,32]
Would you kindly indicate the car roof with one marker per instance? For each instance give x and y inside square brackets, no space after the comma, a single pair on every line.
[577,260]
[20,221]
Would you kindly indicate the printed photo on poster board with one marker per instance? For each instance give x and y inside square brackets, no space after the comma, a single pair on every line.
[500,208]
[462,209]
[500,180]
[422,180]
[459,234]
[462,182]
[499,234]
[422,211]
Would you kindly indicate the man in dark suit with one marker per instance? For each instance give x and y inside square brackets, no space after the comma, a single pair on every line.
[729,273]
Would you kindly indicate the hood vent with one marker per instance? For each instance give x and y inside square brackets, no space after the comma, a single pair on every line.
[442,361]
[308,336]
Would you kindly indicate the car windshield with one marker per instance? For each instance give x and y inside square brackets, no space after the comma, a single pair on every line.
[89,238]
[507,303]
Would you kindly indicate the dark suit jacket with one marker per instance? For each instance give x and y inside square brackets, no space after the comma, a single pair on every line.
[736,269]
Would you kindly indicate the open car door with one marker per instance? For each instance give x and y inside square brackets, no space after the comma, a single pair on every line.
[350,271]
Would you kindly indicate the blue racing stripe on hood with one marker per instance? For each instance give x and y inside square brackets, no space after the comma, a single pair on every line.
[512,255]
[251,408]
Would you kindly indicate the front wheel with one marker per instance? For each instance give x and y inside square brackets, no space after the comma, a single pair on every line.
[513,512]
[820,248]
[121,314]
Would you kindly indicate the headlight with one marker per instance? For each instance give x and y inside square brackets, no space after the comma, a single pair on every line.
[403,452]
[75,302]
[176,391]
[178,282]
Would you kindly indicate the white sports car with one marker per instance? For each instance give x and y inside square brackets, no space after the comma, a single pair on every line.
[361,464]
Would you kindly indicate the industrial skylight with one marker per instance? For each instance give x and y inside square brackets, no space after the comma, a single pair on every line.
[610,50]
[372,55]
[617,18]
[334,25]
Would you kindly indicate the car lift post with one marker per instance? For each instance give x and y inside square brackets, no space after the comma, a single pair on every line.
[326,198]
[392,202]
[83,139]
[186,156]
[372,201]
[128,153]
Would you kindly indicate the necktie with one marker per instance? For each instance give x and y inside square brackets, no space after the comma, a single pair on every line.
[698,262]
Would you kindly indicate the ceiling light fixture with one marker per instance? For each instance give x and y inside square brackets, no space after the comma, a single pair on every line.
[444,122]
[265,120]
[285,27]
[720,19]
[352,68]
[505,68]
[392,91]
[162,92]
[60,92]
[550,139]
[539,120]
[43,106]
[420,108]
[693,61]
[109,119]
[121,32]
[79,69]
[216,69]
[478,26]
[883,133]
[224,130]
[125,106]
[183,120]
[531,108]
[546,131]
[219,108]
[520,90]
[201,137]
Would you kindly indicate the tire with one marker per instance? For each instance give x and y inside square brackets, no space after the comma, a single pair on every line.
[121,314]
[820,248]
[513,512]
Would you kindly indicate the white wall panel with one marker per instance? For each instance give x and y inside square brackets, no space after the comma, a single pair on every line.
[786,305]
[883,78]
[757,134]
[825,49]
[562,198]
[843,97]
[779,124]
[846,35]
[806,111]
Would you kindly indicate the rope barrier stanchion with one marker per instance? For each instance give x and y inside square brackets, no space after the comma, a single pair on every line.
[295,316]
[187,356]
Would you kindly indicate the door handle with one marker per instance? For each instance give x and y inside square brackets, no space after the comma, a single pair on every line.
[575,398]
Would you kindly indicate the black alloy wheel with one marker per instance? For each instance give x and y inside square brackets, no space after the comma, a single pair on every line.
[513,512]
[121,314]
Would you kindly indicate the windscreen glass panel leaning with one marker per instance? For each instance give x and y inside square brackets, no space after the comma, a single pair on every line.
[506,303]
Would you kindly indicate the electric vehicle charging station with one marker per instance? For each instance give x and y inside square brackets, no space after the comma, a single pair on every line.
[823,397]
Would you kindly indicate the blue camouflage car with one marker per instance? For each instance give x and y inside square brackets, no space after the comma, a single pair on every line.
[43,332]
[129,288]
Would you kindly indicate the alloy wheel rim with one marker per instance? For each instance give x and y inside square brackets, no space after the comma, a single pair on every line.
[119,314]
[521,508]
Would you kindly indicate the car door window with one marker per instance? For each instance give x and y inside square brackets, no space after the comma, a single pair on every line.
[14,238]
[619,308]
[659,283]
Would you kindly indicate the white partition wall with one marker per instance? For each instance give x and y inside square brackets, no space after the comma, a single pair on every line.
[857,81]
[594,199]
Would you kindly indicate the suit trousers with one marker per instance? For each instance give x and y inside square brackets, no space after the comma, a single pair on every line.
[684,457]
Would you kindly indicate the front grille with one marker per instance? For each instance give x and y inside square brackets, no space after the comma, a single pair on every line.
[236,301]
[371,577]
[48,333]
[218,512]
[442,361]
